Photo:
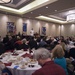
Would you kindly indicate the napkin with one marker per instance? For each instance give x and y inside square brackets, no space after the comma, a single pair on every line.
[27,55]
[7,64]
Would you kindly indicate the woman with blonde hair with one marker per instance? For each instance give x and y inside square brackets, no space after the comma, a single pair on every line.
[58,55]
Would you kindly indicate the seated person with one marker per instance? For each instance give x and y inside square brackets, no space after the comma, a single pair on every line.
[42,43]
[24,45]
[18,40]
[72,61]
[32,43]
[58,55]
[71,65]
[4,70]
[43,57]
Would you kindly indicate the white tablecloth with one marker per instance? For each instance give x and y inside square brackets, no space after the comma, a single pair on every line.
[27,71]
[18,71]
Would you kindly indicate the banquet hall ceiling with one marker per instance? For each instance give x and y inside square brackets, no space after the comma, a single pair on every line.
[18,3]
[59,9]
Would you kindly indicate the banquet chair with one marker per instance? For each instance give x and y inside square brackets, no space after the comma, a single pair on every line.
[72,53]
[70,66]
[2,48]
[73,63]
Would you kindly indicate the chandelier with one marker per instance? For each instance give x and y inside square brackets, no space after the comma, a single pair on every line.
[5,1]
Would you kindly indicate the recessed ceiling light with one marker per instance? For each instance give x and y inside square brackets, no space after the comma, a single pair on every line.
[39,14]
[55,10]
[31,12]
[46,6]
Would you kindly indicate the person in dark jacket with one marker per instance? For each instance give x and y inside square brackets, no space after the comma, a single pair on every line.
[32,43]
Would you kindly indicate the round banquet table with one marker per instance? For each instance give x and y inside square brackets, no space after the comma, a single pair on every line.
[18,71]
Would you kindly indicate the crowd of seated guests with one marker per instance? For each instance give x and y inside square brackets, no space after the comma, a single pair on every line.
[16,41]
[27,42]
[12,42]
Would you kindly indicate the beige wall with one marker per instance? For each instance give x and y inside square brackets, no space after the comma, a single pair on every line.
[3,22]
[68,30]
[51,29]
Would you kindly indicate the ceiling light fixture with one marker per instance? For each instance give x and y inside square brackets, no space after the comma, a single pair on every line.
[71,18]
[46,6]
[51,19]
[55,10]
[31,12]
[5,1]
[39,14]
